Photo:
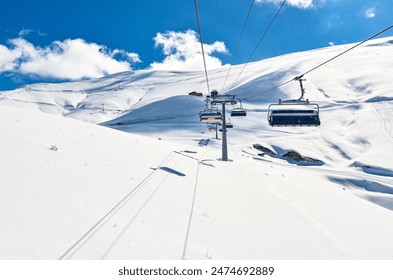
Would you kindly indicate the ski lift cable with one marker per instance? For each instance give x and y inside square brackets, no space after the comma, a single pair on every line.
[201,39]
[318,66]
[238,42]
[260,41]
[327,61]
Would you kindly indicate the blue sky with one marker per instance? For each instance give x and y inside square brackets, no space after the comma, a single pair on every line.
[49,41]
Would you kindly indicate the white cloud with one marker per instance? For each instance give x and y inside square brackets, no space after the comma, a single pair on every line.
[69,59]
[134,57]
[26,31]
[303,4]
[183,51]
[8,58]
[370,13]
[331,43]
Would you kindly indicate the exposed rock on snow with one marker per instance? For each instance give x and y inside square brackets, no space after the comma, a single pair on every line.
[298,157]
[292,155]
[261,148]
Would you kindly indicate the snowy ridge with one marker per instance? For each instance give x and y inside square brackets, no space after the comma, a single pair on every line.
[75,190]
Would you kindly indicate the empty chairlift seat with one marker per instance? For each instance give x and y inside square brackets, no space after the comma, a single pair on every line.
[238,112]
[293,114]
[228,124]
[210,116]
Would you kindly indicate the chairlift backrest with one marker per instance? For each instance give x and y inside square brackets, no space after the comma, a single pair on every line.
[210,116]
[293,114]
[238,113]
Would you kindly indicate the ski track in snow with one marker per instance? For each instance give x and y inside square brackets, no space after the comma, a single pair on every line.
[125,221]
[385,111]
[103,220]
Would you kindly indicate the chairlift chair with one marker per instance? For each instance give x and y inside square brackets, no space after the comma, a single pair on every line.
[211,127]
[238,111]
[210,116]
[228,124]
[297,112]
[293,114]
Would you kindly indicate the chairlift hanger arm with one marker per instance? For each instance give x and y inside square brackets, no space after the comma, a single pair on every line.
[302,90]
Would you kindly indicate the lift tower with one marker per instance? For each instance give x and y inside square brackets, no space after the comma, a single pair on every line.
[223,100]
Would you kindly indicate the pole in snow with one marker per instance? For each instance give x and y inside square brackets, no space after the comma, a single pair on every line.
[223,100]
[224,135]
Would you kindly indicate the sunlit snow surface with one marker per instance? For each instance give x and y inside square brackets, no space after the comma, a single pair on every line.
[76,190]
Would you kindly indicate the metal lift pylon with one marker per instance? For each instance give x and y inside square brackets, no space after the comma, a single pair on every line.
[223,100]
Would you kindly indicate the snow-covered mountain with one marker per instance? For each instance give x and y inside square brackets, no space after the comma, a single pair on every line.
[72,189]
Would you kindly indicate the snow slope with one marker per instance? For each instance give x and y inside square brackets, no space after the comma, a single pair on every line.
[74,190]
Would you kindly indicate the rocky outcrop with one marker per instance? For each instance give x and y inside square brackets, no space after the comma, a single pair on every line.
[264,149]
[298,157]
[289,155]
